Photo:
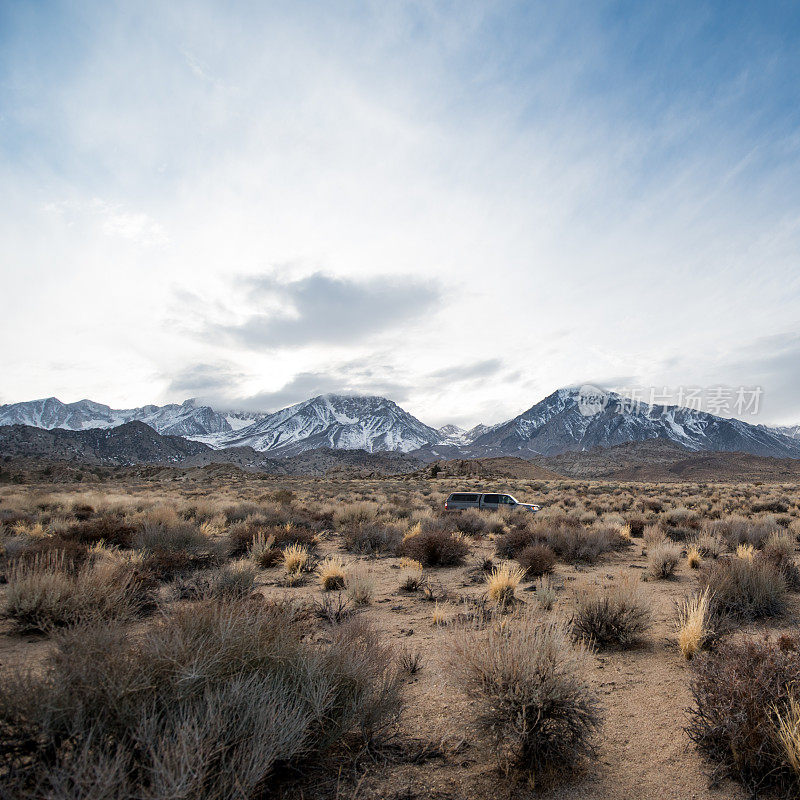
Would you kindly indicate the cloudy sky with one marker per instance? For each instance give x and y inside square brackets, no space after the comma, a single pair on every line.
[461,206]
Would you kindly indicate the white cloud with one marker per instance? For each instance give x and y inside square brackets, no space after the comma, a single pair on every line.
[551,203]
[109,219]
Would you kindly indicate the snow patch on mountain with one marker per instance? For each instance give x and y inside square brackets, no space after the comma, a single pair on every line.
[341,422]
[564,421]
[187,419]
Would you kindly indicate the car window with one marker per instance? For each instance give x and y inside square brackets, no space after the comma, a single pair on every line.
[491,498]
[506,499]
[463,498]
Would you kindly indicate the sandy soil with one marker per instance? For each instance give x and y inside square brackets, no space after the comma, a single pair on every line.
[438,752]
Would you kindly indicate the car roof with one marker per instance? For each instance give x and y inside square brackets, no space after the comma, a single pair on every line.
[477,491]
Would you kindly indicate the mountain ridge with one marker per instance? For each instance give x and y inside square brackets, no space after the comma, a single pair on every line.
[569,419]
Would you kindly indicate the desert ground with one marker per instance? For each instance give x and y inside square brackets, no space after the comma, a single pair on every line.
[125,556]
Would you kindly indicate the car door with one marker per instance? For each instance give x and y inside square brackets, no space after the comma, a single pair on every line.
[490,501]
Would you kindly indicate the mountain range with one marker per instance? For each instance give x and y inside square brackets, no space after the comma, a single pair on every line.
[134,443]
[560,423]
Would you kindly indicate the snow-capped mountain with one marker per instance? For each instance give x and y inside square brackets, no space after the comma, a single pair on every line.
[565,421]
[788,430]
[373,424]
[569,419]
[453,435]
[188,419]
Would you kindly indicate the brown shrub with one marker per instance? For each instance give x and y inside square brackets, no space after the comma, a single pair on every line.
[615,615]
[82,511]
[536,560]
[736,530]
[538,707]
[662,560]
[108,528]
[509,544]
[471,522]
[221,692]
[73,552]
[744,589]
[434,547]
[372,537]
[775,506]
[636,526]
[577,544]
[47,592]
[738,690]
[779,551]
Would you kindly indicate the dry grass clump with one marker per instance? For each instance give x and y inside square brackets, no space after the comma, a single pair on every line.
[47,592]
[614,615]
[409,661]
[745,551]
[411,575]
[332,574]
[219,693]
[743,588]
[538,707]
[502,582]
[438,614]
[242,534]
[742,692]
[435,547]
[536,560]
[694,558]
[788,720]
[360,586]
[663,559]
[296,559]
[694,619]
